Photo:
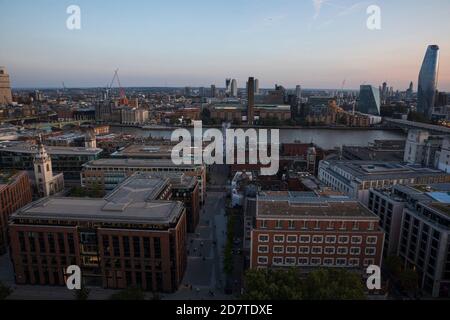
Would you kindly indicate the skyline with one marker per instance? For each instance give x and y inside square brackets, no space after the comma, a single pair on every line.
[316,44]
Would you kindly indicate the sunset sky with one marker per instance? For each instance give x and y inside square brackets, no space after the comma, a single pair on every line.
[314,43]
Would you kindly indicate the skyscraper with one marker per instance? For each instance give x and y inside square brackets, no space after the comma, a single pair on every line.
[251,99]
[5,87]
[234,89]
[428,77]
[369,100]
[256,86]
[213,91]
[227,85]
[298,92]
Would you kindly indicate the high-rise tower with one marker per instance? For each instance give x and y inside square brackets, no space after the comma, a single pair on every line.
[251,99]
[234,89]
[5,87]
[428,78]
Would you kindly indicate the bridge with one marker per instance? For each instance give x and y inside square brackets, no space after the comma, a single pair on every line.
[406,125]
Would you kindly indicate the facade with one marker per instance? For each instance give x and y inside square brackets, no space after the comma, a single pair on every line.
[369,100]
[15,192]
[444,155]
[379,150]
[428,78]
[234,88]
[425,245]
[309,230]
[120,241]
[134,116]
[110,172]
[20,156]
[5,87]
[355,178]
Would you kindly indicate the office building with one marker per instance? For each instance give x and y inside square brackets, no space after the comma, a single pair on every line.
[310,230]
[369,100]
[355,178]
[123,240]
[234,88]
[5,87]
[428,79]
[15,192]
[251,100]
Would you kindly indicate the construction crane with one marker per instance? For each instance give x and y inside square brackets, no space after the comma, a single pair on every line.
[123,98]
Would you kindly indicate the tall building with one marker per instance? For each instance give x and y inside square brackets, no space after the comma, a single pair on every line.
[256,86]
[234,88]
[251,99]
[15,192]
[5,87]
[213,91]
[227,85]
[369,100]
[298,92]
[311,230]
[428,78]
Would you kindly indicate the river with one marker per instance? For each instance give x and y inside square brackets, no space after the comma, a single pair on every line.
[324,138]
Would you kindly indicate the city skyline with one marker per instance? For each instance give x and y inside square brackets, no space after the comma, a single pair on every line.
[176,44]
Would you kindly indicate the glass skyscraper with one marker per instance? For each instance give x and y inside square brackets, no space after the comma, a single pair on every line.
[369,100]
[428,76]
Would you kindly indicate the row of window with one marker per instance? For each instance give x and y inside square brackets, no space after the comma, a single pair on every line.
[370,251]
[332,225]
[279,238]
[292,261]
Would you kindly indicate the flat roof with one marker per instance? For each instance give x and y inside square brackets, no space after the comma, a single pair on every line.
[102,210]
[25,147]
[139,163]
[139,150]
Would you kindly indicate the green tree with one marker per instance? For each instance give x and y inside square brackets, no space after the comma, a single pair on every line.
[129,294]
[333,284]
[5,291]
[409,280]
[272,285]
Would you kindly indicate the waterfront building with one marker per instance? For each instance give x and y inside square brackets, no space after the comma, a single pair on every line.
[5,87]
[369,100]
[428,79]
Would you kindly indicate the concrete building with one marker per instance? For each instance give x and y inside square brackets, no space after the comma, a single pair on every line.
[5,87]
[421,148]
[355,178]
[123,240]
[444,155]
[15,192]
[379,150]
[134,116]
[110,172]
[310,230]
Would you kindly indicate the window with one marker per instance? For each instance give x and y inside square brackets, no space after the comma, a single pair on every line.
[316,250]
[356,239]
[303,261]
[353,262]
[343,239]
[341,262]
[263,223]
[263,238]
[303,250]
[291,224]
[330,250]
[317,239]
[263,249]
[279,224]
[262,260]
[277,260]
[305,239]
[368,262]
[371,240]
[278,249]
[355,251]
[328,261]
[316,261]
[291,249]
[330,239]
[370,251]
[289,261]
[342,250]
[291,239]
[278,238]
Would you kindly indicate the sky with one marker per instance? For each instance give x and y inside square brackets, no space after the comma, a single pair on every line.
[314,43]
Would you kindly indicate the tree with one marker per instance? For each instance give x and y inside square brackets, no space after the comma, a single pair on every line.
[333,284]
[394,265]
[409,280]
[129,294]
[82,294]
[272,285]
[5,291]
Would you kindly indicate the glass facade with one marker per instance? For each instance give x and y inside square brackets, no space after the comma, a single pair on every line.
[369,100]
[426,91]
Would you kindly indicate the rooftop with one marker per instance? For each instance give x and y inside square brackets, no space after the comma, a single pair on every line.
[139,163]
[25,147]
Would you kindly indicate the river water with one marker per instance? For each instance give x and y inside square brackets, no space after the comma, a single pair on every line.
[324,138]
